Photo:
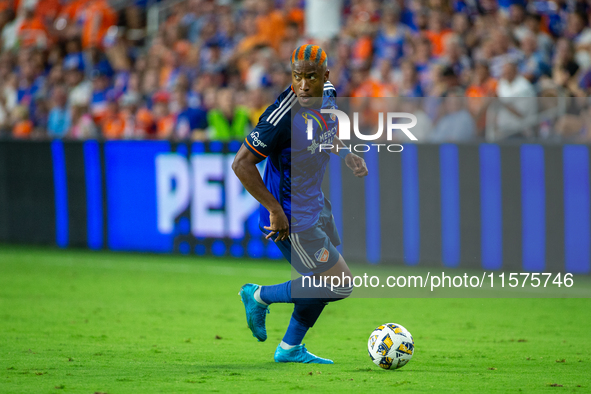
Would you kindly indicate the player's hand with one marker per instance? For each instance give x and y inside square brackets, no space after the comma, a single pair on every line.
[278,225]
[357,164]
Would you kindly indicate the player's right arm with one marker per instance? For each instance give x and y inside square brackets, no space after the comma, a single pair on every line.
[253,151]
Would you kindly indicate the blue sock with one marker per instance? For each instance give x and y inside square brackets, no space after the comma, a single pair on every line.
[276,293]
[296,332]
[302,319]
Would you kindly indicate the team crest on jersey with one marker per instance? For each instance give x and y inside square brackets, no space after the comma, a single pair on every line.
[322,255]
[333,117]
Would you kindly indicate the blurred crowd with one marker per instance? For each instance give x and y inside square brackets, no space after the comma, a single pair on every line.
[89,69]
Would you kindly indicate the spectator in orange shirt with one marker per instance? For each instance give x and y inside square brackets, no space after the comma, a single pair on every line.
[112,126]
[72,10]
[22,125]
[436,32]
[361,50]
[367,87]
[383,77]
[145,126]
[99,17]
[6,5]
[47,10]
[171,71]
[483,85]
[128,104]
[165,121]
[251,39]
[270,23]
[32,32]
[293,14]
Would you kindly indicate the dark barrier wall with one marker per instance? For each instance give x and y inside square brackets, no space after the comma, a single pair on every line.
[27,206]
[493,206]
[497,207]
[128,196]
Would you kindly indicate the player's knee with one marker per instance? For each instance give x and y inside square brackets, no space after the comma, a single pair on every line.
[341,292]
[340,270]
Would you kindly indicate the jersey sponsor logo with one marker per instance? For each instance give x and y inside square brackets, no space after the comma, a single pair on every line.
[323,137]
[322,254]
[328,136]
[256,141]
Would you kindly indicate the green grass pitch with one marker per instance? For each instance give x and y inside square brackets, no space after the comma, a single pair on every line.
[85,322]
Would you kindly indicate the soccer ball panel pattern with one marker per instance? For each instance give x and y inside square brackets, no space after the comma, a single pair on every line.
[390,346]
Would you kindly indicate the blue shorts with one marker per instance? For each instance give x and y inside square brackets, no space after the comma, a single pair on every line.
[313,251]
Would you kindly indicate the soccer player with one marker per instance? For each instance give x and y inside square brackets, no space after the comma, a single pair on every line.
[290,193]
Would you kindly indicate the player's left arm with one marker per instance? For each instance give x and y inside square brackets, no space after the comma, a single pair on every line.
[354,162]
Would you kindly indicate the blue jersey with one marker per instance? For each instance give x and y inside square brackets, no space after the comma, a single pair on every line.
[295,164]
[391,47]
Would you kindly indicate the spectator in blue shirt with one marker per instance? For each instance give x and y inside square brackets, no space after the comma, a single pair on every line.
[74,58]
[457,124]
[391,37]
[409,86]
[30,84]
[533,65]
[59,121]
[189,121]
[101,85]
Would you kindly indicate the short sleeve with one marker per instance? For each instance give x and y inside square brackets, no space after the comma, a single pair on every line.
[263,139]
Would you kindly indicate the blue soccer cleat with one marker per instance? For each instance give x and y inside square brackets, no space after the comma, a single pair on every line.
[255,312]
[298,354]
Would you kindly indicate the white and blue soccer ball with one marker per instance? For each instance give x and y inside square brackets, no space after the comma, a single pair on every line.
[390,346]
